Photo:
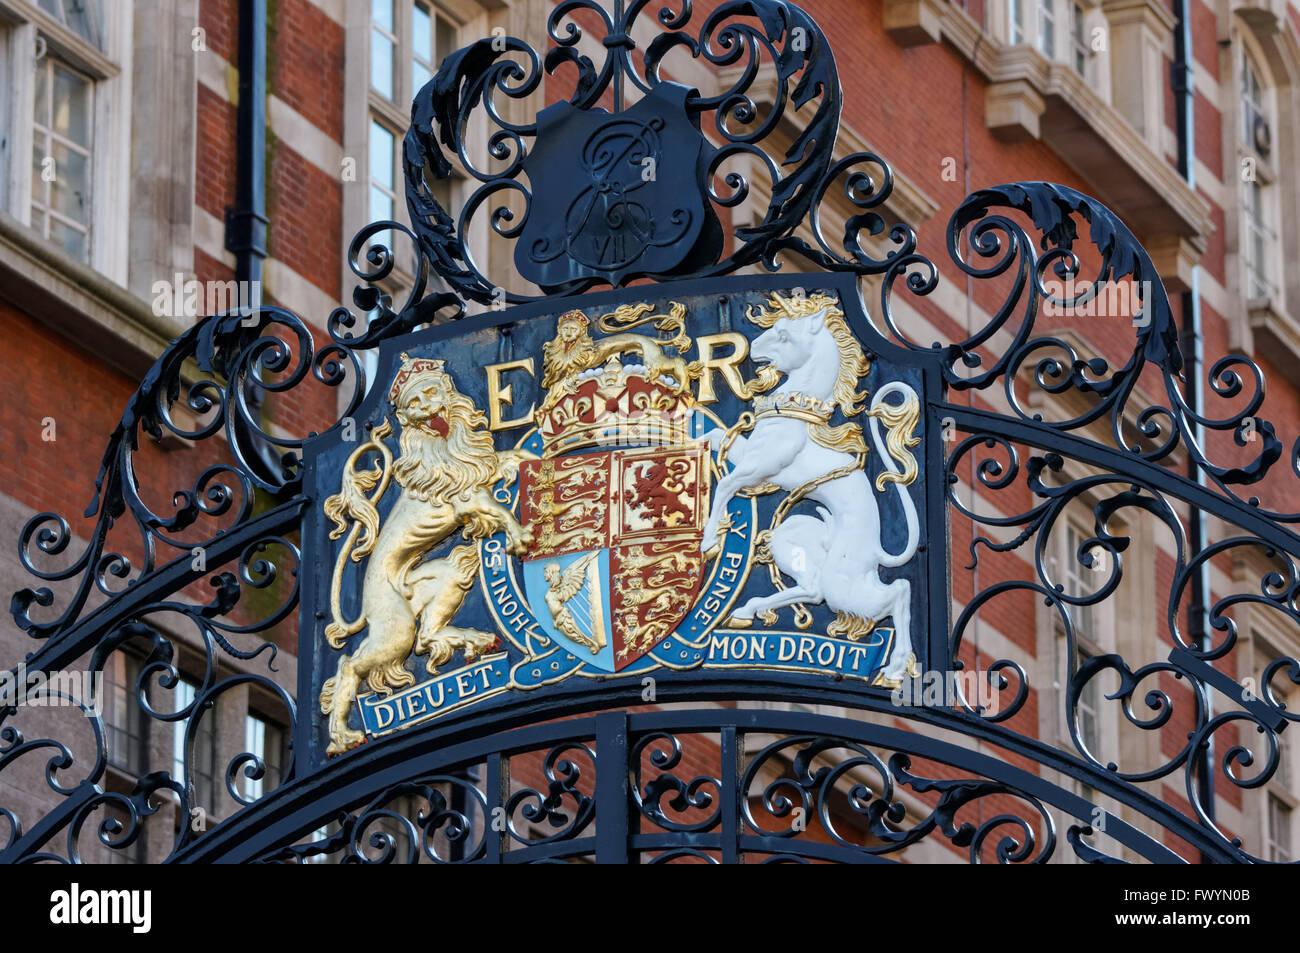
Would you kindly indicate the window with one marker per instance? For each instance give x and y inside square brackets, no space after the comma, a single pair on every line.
[1088,709]
[383,177]
[1078,39]
[1056,28]
[1017,22]
[1252,100]
[203,774]
[408,40]
[1078,579]
[65,131]
[383,43]
[124,719]
[1279,830]
[1257,240]
[1047,28]
[1092,634]
[82,17]
[61,156]
[1279,794]
[267,742]
[1258,243]
[431,36]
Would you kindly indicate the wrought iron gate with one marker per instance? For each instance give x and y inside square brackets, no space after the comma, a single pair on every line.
[757,770]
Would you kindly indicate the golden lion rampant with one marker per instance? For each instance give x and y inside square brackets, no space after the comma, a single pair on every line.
[446,470]
[573,349]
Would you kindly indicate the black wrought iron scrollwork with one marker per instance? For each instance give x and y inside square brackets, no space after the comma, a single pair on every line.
[1117,455]
[269,349]
[834,789]
[855,793]
[666,800]
[750,43]
[986,240]
[567,807]
[1137,687]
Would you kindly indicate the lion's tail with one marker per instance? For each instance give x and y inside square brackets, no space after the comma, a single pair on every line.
[327,694]
[351,504]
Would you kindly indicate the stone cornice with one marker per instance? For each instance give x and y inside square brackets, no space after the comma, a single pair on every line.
[1088,133]
[43,281]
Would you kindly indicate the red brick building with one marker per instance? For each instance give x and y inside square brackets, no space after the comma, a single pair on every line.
[119,159]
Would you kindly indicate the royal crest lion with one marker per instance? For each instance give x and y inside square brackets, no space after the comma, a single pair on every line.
[446,472]
[573,349]
[657,491]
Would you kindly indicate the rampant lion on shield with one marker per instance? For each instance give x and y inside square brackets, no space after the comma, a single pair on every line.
[446,470]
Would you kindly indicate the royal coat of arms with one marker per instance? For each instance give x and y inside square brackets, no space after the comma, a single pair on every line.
[691,488]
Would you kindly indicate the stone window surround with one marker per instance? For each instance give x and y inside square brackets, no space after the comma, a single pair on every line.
[362,105]
[1267,324]
[110,73]
[1097,65]
[1118,149]
[105,305]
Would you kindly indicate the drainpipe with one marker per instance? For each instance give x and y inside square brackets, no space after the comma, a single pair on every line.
[1193,348]
[246,220]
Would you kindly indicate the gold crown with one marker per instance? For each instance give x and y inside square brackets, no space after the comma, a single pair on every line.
[613,406]
[413,372]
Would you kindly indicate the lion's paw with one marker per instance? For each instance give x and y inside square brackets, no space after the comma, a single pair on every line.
[345,741]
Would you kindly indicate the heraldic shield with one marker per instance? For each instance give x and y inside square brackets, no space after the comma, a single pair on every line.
[616,541]
[721,482]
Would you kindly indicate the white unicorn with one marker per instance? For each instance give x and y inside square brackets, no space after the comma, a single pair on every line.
[836,558]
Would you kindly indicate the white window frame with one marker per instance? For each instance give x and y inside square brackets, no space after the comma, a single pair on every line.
[1094,632]
[1080,50]
[208,785]
[21,22]
[1279,845]
[1018,18]
[395,114]
[468,19]
[1261,270]
[257,732]
[42,191]
[1282,787]
[1022,23]
[123,718]
[1074,576]
[1048,16]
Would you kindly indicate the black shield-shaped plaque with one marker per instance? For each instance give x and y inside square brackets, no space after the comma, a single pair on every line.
[600,207]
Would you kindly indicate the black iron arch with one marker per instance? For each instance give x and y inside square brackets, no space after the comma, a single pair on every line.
[853,774]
